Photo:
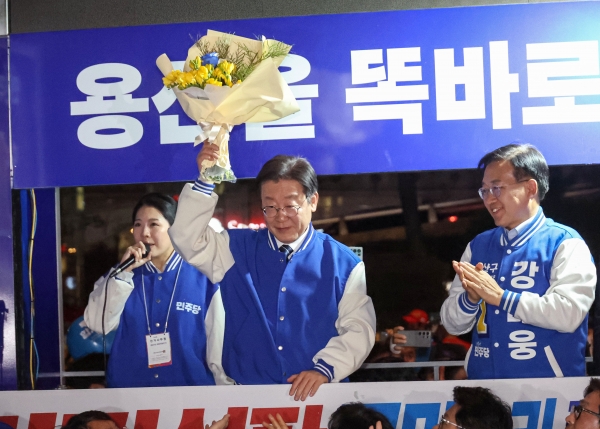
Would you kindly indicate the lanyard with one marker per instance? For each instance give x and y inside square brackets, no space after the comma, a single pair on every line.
[170,303]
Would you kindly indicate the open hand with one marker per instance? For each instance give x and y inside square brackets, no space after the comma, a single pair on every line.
[306,383]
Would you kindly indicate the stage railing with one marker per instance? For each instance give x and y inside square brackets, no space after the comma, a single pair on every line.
[374,366]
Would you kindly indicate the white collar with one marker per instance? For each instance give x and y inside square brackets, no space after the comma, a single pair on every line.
[296,244]
[519,228]
[172,263]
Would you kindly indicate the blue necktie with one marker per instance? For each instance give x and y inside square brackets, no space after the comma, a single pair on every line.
[287,250]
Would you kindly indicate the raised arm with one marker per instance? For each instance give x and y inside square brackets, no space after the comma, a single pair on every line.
[190,234]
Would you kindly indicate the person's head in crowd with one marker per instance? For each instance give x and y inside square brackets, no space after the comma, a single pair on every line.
[476,408]
[416,320]
[409,354]
[152,216]
[515,181]
[587,413]
[289,196]
[91,420]
[356,415]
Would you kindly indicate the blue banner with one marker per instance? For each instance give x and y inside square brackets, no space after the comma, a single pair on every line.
[384,91]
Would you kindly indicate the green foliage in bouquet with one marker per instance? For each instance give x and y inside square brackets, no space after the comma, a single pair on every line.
[244,59]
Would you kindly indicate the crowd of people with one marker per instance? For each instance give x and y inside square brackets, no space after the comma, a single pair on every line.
[289,304]
[437,346]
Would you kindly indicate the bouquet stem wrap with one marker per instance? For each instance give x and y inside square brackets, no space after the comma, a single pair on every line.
[263,96]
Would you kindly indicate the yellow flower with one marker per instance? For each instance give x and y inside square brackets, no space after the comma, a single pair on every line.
[238,81]
[218,73]
[188,78]
[198,78]
[227,81]
[184,80]
[227,67]
[170,79]
[202,72]
[215,82]
[195,63]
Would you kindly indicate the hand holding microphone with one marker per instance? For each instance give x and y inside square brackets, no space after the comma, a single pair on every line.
[135,253]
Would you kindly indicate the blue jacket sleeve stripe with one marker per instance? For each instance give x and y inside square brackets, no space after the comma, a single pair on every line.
[325,369]
[205,188]
[510,301]
[466,305]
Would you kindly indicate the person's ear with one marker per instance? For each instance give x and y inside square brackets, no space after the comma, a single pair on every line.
[314,201]
[532,188]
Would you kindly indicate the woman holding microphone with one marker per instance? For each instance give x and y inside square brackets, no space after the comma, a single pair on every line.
[169,318]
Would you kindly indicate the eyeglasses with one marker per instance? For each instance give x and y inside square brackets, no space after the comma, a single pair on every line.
[443,420]
[578,409]
[496,190]
[289,211]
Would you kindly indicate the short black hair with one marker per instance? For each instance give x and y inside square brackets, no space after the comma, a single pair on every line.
[356,415]
[481,409]
[527,162]
[81,420]
[285,167]
[594,386]
[165,204]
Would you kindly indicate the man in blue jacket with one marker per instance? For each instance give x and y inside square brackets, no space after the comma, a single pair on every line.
[525,287]
[295,299]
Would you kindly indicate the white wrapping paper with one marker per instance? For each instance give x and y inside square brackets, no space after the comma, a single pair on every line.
[264,96]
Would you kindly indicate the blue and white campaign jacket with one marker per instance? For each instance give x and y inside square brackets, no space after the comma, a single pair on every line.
[282,317]
[540,327]
[195,318]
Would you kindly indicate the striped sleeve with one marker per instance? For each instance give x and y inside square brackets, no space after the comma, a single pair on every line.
[466,305]
[203,187]
[510,301]
[325,369]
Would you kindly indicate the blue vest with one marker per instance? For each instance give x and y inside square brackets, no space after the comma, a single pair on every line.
[279,314]
[128,362]
[504,347]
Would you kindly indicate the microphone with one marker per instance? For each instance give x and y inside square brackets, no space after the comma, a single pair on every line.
[126,263]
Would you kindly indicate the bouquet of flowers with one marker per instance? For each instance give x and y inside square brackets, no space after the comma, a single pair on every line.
[229,80]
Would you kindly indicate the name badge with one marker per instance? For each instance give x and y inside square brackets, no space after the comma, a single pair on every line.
[159,350]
